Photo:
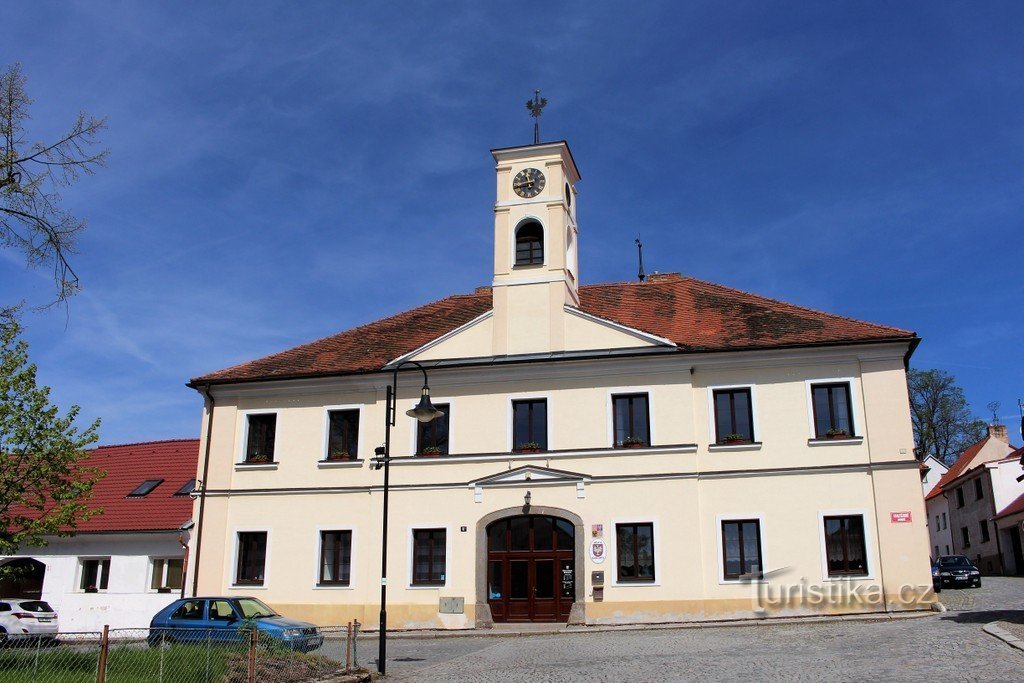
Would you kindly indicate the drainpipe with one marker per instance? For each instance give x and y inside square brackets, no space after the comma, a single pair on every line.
[202,489]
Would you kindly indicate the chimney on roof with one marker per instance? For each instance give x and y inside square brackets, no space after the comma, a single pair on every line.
[997,431]
[663,277]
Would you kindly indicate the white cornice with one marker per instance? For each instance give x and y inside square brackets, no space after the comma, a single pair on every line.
[655,361]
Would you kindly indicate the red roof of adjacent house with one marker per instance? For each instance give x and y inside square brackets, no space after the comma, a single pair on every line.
[130,465]
[958,467]
[694,314]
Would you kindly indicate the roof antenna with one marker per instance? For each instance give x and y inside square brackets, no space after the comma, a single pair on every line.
[535,105]
[641,275]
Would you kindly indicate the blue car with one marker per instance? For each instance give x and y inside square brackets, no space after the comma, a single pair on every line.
[218,619]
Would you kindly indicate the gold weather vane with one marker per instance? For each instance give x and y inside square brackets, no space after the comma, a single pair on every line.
[535,106]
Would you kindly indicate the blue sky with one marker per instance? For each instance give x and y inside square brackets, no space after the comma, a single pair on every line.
[283,171]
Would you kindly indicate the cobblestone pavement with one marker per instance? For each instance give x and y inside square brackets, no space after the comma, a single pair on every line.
[948,647]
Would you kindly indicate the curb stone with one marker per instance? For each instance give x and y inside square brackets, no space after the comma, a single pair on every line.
[739,623]
[993,629]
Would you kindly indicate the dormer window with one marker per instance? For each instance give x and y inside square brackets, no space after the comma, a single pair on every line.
[530,244]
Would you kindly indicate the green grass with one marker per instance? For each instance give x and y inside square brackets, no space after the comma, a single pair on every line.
[136,663]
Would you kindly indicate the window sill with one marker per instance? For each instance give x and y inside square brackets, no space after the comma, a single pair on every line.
[338,464]
[239,466]
[751,446]
[741,582]
[631,584]
[249,586]
[835,442]
[426,587]
[332,587]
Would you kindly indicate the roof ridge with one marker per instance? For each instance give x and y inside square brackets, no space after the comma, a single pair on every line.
[144,443]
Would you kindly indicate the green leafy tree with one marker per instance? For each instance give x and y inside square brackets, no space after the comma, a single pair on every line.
[943,423]
[44,485]
[31,175]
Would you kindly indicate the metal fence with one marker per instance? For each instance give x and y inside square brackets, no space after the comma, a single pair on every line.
[241,655]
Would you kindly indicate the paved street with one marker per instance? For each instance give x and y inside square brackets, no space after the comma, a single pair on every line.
[946,647]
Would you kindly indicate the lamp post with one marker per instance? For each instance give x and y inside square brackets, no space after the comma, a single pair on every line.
[424,412]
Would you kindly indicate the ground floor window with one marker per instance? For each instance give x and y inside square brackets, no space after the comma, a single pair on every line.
[635,546]
[167,574]
[252,557]
[335,558]
[845,546]
[95,574]
[741,549]
[429,560]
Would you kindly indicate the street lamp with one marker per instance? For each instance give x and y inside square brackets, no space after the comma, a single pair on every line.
[424,412]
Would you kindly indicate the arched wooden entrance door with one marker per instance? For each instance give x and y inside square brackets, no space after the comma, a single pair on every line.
[531,564]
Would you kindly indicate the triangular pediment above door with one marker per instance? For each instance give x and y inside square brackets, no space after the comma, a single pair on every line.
[530,474]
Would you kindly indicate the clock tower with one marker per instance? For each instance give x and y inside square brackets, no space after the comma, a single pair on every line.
[535,247]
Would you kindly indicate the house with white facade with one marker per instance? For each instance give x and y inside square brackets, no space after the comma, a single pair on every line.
[121,566]
[979,484]
[932,470]
[653,451]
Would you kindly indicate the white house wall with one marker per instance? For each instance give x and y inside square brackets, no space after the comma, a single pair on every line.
[128,601]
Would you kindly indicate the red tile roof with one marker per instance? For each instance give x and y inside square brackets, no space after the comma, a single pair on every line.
[129,465]
[958,467]
[696,315]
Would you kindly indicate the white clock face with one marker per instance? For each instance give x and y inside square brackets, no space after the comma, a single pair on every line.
[528,183]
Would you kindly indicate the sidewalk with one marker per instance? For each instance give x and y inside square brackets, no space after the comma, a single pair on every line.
[534,629]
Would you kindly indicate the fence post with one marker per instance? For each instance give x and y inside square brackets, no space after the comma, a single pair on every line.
[348,647]
[101,675]
[355,642]
[252,655]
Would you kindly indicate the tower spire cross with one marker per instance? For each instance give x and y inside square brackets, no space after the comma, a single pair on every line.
[535,106]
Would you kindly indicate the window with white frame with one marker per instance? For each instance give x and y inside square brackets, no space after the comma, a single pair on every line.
[429,557]
[734,415]
[167,574]
[94,575]
[833,410]
[631,420]
[261,434]
[634,545]
[335,558]
[845,545]
[741,549]
[252,558]
[343,434]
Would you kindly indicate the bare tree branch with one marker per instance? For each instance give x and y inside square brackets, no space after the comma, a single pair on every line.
[31,219]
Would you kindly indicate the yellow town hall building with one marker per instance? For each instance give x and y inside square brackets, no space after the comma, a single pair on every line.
[656,451]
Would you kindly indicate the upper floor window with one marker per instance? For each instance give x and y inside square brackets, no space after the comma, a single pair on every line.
[833,410]
[635,548]
[432,437]
[530,244]
[979,489]
[530,424]
[985,537]
[845,546]
[343,435]
[966,533]
[252,557]
[259,443]
[960,496]
[734,415]
[632,422]
[429,557]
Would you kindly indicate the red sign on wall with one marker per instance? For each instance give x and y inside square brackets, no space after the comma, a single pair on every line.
[899,517]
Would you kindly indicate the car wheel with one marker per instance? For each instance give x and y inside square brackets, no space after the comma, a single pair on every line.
[977,584]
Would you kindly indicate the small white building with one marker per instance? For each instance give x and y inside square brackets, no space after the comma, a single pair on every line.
[122,566]
[932,470]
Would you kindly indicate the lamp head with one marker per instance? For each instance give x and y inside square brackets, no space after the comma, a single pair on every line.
[425,410]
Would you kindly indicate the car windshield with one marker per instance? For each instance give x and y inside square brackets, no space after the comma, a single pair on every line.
[954,561]
[255,609]
[35,606]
